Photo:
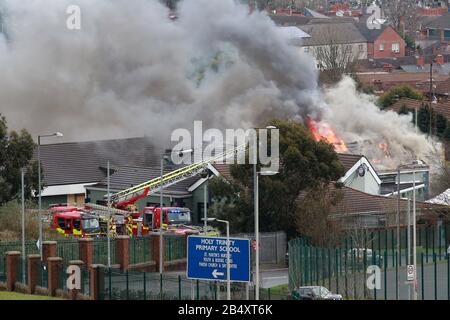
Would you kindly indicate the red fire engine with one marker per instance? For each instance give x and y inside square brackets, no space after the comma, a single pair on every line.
[70,220]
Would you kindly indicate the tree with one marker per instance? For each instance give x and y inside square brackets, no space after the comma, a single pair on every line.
[16,151]
[312,215]
[423,118]
[334,58]
[396,93]
[305,164]
[401,14]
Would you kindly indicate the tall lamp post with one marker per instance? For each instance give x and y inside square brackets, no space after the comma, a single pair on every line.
[262,173]
[56,134]
[256,205]
[161,201]
[415,164]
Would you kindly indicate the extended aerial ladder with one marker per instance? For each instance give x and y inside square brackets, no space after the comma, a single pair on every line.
[131,195]
[120,200]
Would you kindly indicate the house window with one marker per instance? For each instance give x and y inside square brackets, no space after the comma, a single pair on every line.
[306,50]
[396,47]
[361,47]
[382,47]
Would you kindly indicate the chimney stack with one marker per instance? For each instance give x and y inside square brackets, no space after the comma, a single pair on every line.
[440,59]
[420,60]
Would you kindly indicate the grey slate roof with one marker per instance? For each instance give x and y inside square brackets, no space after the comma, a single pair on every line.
[129,176]
[314,14]
[441,69]
[370,34]
[82,162]
[342,33]
[290,20]
[442,22]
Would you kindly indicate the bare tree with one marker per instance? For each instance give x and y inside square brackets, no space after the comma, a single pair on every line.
[312,215]
[334,57]
[401,12]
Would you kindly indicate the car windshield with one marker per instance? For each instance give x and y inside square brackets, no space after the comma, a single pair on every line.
[320,291]
[179,216]
[90,224]
[304,291]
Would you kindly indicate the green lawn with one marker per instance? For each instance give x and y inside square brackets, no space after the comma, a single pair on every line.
[5,295]
[282,289]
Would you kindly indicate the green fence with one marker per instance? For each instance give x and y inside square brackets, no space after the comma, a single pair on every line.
[101,251]
[68,250]
[154,286]
[140,250]
[175,247]
[343,269]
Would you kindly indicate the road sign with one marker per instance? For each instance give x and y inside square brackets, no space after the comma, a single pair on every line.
[207,258]
[410,272]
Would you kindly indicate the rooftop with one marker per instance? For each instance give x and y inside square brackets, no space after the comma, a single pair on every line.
[84,162]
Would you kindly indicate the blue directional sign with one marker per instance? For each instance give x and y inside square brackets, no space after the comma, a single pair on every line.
[207,259]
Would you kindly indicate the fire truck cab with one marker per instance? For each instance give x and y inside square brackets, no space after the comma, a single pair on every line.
[173,218]
[76,224]
[69,220]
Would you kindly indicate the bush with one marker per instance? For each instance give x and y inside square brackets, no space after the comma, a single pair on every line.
[11,223]
[391,96]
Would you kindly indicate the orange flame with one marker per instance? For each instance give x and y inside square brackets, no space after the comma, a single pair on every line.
[323,131]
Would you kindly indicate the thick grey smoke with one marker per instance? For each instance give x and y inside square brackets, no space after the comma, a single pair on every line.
[386,138]
[131,70]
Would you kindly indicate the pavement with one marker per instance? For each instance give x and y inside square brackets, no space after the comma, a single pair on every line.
[274,277]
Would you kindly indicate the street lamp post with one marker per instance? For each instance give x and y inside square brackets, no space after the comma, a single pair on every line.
[161,200]
[414,236]
[262,173]
[256,205]
[56,134]
[416,163]
[23,224]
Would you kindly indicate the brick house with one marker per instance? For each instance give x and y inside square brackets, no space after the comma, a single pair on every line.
[383,43]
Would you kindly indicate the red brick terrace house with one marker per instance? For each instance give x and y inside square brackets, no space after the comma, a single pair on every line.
[382,43]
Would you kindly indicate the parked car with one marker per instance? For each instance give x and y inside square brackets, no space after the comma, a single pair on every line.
[315,293]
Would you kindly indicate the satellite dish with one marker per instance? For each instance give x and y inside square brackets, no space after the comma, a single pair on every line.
[339,13]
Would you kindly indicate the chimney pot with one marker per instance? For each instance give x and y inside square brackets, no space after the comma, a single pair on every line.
[440,59]
[420,60]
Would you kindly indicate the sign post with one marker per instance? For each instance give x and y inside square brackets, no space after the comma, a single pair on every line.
[410,272]
[207,259]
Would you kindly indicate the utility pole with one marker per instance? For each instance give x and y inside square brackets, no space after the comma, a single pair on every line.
[398,228]
[109,218]
[414,236]
[23,225]
[431,96]
[408,262]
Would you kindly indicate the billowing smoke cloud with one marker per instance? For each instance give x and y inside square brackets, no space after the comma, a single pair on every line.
[131,70]
[385,137]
